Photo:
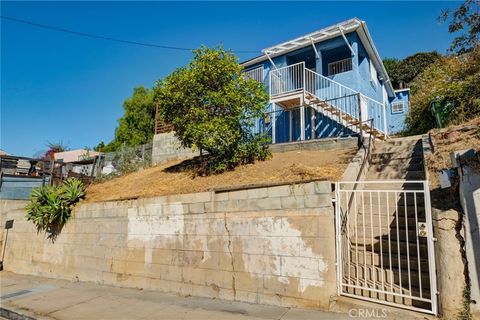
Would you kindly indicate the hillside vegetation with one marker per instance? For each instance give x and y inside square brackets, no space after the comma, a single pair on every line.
[452,79]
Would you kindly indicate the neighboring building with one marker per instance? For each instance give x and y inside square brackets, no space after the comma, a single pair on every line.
[331,82]
[75,155]
[78,161]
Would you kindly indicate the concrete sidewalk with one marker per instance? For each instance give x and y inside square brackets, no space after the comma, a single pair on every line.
[44,298]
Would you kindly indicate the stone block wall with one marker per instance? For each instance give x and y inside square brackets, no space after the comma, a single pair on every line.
[272,245]
[167,147]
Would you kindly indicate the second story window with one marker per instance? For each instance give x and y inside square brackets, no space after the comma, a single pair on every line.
[339,66]
[256,74]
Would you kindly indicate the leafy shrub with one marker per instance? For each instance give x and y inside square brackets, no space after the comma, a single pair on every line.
[212,107]
[50,207]
[452,80]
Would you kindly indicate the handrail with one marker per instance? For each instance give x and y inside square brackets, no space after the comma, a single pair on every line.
[328,79]
[296,77]
[289,66]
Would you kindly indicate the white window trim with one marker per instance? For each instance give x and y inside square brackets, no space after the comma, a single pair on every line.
[396,104]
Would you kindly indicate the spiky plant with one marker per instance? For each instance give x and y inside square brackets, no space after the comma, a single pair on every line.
[50,207]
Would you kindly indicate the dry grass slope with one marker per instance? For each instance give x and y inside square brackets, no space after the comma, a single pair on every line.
[284,167]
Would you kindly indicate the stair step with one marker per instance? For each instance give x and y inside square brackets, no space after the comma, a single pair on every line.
[393,161]
[406,154]
[398,248]
[392,196]
[391,186]
[393,298]
[409,175]
[387,278]
[376,257]
[385,233]
[399,166]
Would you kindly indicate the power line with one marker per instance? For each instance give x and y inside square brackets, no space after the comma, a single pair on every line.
[96,36]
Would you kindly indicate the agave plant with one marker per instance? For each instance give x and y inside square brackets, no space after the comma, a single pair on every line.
[50,207]
[73,190]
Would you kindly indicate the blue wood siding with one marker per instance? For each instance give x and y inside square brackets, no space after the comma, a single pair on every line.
[359,79]
[396,120]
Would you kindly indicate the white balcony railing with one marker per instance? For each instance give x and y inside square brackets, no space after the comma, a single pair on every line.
[287,79]
[297,78]
[255,74]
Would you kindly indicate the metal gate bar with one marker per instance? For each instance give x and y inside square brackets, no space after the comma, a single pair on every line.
[385,243]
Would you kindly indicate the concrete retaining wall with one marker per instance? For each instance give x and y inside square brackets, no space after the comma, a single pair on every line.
[469,188]
[272,245]
[167,147]
[317,144]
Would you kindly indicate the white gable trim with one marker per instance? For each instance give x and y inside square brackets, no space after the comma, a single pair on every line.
[336,30]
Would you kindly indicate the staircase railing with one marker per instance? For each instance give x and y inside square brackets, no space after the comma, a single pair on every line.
[378,113]
[339,96]
[345,99]
[297,77]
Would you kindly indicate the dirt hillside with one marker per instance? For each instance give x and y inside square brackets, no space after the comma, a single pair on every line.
[452,138]
[290,166]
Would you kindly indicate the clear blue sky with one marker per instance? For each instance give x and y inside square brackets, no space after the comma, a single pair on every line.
[62,87]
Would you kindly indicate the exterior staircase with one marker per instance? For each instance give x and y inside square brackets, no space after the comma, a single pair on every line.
[295,85]
[386,252]
[399,158]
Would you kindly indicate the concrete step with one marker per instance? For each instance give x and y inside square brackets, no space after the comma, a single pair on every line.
[387,155]
[391,185]
[402,175]
[386,278]
[392,222]
[386,259]
[395,161]
[399,166]
[398,248]
[374,200]
[386,232]
[385,296]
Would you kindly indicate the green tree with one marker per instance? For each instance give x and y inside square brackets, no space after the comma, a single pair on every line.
[100,146]
[465,18]
[212,107]
[407,69]
[136,126]
[391,65]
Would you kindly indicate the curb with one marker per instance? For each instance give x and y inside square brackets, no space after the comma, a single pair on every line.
[12,315]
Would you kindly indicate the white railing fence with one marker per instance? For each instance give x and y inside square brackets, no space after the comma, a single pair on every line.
[378,113]
[298,78]
[339,96]
[255,74]
[287,79]
[385,243]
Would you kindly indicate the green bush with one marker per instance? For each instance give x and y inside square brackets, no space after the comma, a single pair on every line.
[50,207]
[212,107]
[452,80]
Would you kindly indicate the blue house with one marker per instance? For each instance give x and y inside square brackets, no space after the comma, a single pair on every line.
[329,83]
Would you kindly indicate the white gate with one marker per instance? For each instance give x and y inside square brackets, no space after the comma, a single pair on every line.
[385,248]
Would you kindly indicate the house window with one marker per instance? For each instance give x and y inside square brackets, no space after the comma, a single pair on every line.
[256,74]
[339,66]
[397,107]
